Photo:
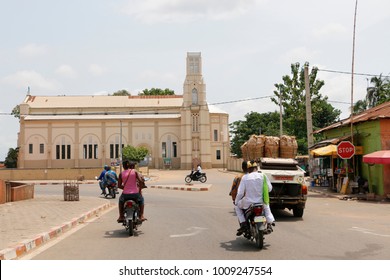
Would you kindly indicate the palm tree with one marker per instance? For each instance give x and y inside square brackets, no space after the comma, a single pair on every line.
[379,92]
[360,106]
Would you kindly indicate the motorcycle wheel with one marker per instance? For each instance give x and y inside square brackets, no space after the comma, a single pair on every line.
[188,179]
[203,179]
[131,228]
[113,194]
[259,239]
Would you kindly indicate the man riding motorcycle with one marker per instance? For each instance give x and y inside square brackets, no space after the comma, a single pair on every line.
[251,191]
[102,179]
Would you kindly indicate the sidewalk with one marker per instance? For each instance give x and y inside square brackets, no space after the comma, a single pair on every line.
[30,223]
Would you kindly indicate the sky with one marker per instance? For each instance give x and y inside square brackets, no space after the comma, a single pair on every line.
[93,47]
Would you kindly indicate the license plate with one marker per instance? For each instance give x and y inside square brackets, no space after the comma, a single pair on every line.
[259,219]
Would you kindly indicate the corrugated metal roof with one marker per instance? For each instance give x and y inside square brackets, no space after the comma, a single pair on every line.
[379,112]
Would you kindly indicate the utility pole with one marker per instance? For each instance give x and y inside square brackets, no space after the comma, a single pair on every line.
[353,69]
[280,113]
[309,122]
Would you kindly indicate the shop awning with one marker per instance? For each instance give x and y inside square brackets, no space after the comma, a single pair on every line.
[330,150]
[381,157]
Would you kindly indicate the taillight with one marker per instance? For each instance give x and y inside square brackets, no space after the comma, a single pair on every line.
[257,211]
[304,189]
[129,204]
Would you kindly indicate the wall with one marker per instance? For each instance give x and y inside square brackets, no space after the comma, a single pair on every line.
[10,174]
[367,134]
[15,191]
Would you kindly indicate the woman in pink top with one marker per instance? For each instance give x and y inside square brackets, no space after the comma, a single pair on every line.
[128,183]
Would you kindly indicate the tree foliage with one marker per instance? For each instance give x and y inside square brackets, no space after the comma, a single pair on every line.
[11,161]
[16,111]
[377,93]
[132,153]
[121,92]
[255,123]
[157,91]
[292,95]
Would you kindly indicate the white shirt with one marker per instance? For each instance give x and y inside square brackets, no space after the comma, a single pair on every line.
[250,189]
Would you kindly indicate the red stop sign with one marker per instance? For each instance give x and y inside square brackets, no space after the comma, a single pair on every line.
[345,149]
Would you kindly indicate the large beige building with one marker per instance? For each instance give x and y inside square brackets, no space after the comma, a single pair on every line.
[179,131]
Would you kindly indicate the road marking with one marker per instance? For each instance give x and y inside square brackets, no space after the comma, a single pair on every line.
[369,231]
[195,231]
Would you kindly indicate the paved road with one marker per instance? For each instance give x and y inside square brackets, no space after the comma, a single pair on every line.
[201,226]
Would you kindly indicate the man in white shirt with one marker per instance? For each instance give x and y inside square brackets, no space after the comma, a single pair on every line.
[250,191]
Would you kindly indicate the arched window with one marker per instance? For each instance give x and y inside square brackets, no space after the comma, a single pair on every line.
[194,97]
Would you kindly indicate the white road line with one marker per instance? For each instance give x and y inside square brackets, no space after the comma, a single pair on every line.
[369,231]
[195,231]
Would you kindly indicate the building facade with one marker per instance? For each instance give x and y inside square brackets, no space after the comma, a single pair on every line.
[371,132]
[179,131]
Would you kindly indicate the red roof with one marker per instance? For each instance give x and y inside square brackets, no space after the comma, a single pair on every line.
[381,111]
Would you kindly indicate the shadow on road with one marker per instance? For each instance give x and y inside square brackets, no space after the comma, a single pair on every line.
[241,244]
[121,233]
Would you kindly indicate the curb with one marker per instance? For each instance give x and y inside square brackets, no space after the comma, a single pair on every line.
[180,188]
[22,248]
[61,183]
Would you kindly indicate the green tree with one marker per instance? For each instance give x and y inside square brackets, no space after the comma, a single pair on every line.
[157,91]
[360,106]
[254,123]
[132,153]
[379,92]
[122,92]
[11,161]
[16,111]
[292,95]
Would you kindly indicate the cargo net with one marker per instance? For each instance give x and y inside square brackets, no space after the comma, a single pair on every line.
[71,191]
[259,146]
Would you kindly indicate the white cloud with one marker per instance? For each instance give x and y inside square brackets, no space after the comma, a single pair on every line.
[331,29]
[159,79]
[96,69]
[66,71]
[33,50]
[32,79]
[151,11]
[301,54]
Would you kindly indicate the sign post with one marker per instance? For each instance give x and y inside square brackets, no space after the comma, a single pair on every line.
[345,150]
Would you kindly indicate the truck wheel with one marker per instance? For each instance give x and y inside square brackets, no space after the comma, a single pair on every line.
[298,212]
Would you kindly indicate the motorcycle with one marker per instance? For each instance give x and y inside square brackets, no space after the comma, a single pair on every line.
[131,214]
[257,224]
[112,189]
[193,176]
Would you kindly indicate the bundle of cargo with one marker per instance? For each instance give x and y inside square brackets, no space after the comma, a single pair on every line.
[244,151]
[288,146]
[271,146]
[256,147]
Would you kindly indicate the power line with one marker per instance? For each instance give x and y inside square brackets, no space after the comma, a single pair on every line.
[349,73]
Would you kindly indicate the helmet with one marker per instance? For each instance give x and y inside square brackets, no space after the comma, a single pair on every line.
[251,164]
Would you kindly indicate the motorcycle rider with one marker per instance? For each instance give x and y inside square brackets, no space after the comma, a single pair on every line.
[198,171]
[111,177]
[128,183]
[102,179]
[237,179]
[250,191]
